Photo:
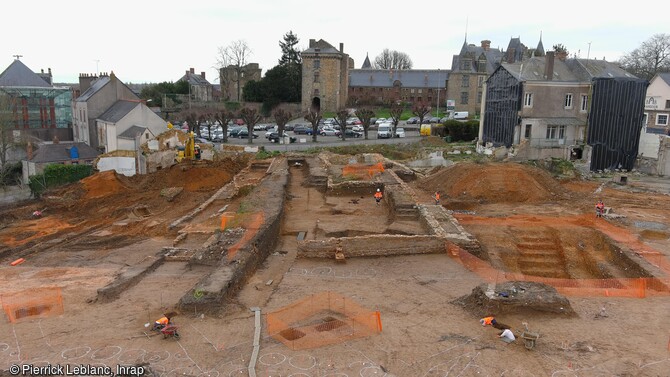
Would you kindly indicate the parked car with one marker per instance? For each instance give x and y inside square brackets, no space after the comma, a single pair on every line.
[302,130]
[434,120]
[380,120]
[233,131]
[244,133]
[384,131]
[413,120]
[270,131]
[202,141]
[260,127]
[400,132]
[444,119]
[350,132]
[217,136]
[289,127]
[274,138]
[358,128]
[329,131]
[426,121]
[373,120]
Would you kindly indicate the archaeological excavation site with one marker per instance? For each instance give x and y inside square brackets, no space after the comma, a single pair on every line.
[288,266]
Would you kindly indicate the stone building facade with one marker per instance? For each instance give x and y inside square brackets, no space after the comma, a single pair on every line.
[325,76]
[233,80]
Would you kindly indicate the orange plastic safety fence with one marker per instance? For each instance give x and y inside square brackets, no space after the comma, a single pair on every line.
[322,319]
[614,287]
[251,224]
[38,302]
[362,171]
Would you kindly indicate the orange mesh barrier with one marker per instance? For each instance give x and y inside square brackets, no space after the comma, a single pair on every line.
[360,171]
[38,302]
[321,319]
[251,222]
[621,287]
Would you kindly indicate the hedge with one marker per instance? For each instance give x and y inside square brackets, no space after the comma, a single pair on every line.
[57,175]
[462,131]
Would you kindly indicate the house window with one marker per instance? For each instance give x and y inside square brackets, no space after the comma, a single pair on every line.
[667,103]
[555,132]
[527,133]
[464,98]
[465,65]
[420,91]
[412,91]
[479,97]
[645,118]
[465,81]
[661,119]
[146,136]
[317,63]
[568,101]
[528,100]
[316,76]
[480,81]
[584,103]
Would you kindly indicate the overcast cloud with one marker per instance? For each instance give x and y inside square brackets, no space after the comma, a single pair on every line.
[154,41]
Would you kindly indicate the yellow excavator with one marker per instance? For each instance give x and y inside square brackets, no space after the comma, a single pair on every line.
[191,151]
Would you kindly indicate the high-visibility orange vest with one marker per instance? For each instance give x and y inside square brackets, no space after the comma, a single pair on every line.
[163,321]
[437,196]
[488,320]
[378,195]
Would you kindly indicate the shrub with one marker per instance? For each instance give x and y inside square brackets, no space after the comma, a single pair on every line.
[462,131]
[56,175]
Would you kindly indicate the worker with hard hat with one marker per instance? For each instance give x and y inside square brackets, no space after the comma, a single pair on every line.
[378,196]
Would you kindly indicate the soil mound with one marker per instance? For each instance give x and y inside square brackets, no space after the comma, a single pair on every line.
[493,183]
[102,184]
[515,297]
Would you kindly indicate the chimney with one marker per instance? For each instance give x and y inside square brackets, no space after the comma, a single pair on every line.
[549,66]
[42,70]
[85,81]
[202,74]
[342,47]
[312,42]
[187,72]
[561,55]
[486,44]
[49,71]
[192,70]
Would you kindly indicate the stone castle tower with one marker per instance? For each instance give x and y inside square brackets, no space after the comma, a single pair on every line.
[325,76]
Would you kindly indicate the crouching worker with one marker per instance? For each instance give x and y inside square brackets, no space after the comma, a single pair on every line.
[507,336]
[161,323]
[488,321]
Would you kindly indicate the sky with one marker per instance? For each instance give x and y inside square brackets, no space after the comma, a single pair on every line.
[147,41]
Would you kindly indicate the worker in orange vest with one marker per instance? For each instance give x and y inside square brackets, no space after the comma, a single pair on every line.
[600,208]
[161,323]
[437,197]
[488,321]
[378,196]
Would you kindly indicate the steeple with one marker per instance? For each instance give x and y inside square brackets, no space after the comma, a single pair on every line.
[539,51]
[366,63]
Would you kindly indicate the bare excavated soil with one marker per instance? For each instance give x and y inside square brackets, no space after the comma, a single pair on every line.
[528,224]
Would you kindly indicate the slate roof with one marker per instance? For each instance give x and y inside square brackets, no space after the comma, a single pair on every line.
[570,70]
[324,48]
[493,58]
[132,132]
[194,79]
[564,121]
[411,78]
[18,74]
[665,76]
[61,152]
[97,85]
[118,110]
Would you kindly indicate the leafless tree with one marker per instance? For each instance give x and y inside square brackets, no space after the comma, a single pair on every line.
[365,115]
[421,109]
[251,117]
[224,117]
[281,118]
[231,63]
[341,119]
[396,112]
[313,116]
[392,59]
[652,57]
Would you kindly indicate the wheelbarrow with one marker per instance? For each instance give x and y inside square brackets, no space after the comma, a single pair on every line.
[529,337]
[170,331]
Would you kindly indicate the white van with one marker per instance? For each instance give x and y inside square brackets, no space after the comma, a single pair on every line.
[461,115]
[384,131]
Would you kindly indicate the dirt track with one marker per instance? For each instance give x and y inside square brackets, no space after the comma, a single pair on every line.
[110,223]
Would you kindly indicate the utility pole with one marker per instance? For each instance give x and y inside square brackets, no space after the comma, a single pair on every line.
[438,93]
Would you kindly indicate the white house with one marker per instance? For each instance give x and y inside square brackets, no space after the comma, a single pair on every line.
[128,124]
[657,104]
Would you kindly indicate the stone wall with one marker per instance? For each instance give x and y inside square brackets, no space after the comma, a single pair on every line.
[372,246]
[220,287]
